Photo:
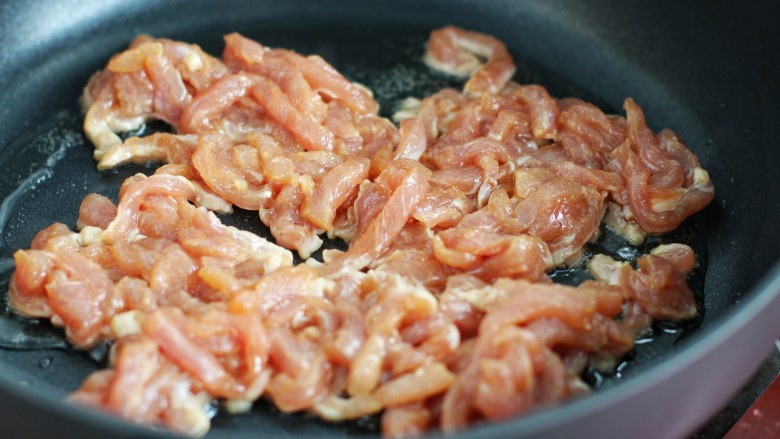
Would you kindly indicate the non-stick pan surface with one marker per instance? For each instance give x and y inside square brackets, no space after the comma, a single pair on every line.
[707,70]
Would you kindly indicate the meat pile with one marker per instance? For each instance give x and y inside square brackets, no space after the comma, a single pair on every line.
[440,313]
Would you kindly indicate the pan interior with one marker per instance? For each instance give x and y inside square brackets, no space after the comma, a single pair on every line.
[48,169]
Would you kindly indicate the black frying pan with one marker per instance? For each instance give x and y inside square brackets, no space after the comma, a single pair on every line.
[709,71]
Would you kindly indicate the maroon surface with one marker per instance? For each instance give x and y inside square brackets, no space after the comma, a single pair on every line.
[762,419]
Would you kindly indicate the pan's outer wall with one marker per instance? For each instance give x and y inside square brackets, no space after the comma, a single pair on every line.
[708,70]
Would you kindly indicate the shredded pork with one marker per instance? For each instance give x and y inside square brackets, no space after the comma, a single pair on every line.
[439,314]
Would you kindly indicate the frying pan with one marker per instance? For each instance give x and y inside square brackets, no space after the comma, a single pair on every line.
[706,69]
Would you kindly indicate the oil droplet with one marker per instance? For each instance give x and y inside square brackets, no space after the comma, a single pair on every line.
[621,367]
[570,276]
[628,253]
[370,423]
[644,339]
[593,377]
[25,334]
[667,326]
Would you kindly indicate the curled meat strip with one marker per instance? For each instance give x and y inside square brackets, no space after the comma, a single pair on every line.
[455,51]
[382,211]
[664,181]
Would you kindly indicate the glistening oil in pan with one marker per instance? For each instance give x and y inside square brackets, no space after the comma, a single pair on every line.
[663,335]
[44,174]
[28,164]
